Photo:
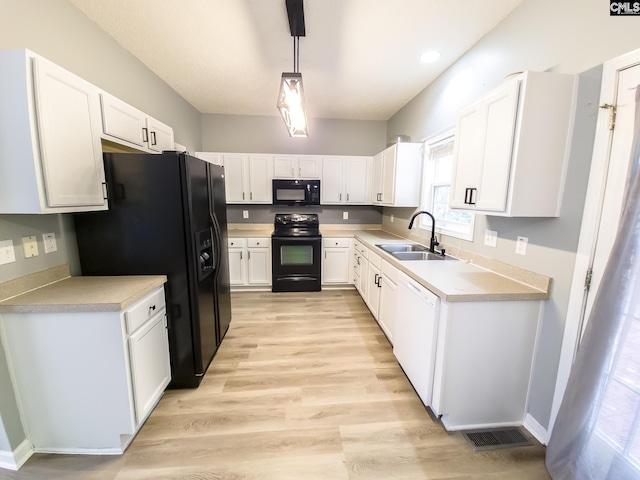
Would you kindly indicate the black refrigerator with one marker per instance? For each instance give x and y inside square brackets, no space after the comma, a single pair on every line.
[167,215]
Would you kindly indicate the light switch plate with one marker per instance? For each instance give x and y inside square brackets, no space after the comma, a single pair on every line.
[7,252]
[50,244]
[345,215]
[490,238]
[30,246]
[521,245]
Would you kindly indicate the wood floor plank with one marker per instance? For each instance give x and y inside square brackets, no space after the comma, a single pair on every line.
[304,387]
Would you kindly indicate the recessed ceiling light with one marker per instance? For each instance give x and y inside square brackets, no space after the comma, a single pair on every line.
[429,57]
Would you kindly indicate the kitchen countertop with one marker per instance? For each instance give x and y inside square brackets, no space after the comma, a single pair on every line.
[453,281]
[84,294]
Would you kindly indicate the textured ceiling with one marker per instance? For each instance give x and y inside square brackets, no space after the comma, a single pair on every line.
[359,59]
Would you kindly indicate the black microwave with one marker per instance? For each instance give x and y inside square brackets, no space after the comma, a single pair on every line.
[296,192]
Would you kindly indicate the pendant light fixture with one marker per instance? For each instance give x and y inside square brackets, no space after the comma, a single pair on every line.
[291,101]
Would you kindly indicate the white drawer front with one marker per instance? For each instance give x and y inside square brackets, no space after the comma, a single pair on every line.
[336,242]
[258,242]
[144,309]
[236,242]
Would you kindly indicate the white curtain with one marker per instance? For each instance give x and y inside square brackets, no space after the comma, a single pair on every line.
[597,431]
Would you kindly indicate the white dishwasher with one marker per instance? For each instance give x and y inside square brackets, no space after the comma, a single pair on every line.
[416,330]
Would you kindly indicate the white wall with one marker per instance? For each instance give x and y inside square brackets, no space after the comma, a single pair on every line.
[571,36]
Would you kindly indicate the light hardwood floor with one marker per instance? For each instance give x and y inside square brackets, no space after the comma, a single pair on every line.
[305,386]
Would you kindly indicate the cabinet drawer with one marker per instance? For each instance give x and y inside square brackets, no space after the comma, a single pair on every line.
[361,249]
[144,309]
[336,242]
[374,260]
[258,242]
[389,271]
[236,242]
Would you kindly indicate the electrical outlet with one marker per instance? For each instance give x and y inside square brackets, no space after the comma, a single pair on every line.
[392,218]
[49,240]
[490,238]
[30,246]
[345,215]
[245,213]
[7,252]
[521,245]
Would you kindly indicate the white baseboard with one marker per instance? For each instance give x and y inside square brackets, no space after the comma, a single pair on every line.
[14,460]
[535,429]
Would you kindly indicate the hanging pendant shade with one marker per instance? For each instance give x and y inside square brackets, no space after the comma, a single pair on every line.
[291,102]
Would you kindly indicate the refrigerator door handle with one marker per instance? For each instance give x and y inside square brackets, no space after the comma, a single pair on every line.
[218,244]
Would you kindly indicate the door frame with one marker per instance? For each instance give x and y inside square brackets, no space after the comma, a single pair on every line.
[590,224]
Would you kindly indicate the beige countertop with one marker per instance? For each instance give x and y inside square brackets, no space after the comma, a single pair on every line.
[84,294]
[454,281]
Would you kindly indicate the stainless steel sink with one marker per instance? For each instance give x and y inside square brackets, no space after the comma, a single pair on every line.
[402,247]
[420,256]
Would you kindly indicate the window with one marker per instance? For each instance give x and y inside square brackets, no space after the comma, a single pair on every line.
[436,185]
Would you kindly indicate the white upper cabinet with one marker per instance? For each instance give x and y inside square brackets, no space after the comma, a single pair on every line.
[126,125]
[345,180]
[248,178]
[50,135]
[511,147]
[397,172]
[211,157]
[307,167]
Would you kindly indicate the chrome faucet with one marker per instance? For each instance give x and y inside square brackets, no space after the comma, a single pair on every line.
[433,243]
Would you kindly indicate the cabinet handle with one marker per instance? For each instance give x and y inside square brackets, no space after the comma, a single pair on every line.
[153,138]
[347,197]
[242,195]
[145,134]
[380,282]
[340,198]
[250,195]
[300,171]
[325,254]
[240,255]
[249,255]
[468,196]
[358,259]
[375,279]
[151,309]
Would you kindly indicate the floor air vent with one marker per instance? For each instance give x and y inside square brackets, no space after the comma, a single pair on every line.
[496,438]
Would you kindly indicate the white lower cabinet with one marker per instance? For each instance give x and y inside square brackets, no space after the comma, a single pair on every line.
[483,362]
[250,261]
[259,261]
[388,299]
[372,298]
[361,268]
[336,255]
[86,381]
[237,261]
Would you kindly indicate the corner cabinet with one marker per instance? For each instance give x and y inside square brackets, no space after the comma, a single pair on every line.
[126,125]
[86,381]
[511,147]
[397,174]
[50,135]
